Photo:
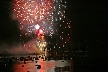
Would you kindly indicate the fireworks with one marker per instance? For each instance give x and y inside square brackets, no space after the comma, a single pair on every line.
[36,44]
[43,18]
[41,43]
[45,13]
[63,38]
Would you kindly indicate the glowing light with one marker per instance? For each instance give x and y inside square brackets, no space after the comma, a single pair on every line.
[37,26]
[41,18]
[40,32]
[46,13]
[40,42]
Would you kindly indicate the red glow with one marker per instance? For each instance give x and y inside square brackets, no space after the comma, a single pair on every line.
[29,12]
[67,39]
[40,32]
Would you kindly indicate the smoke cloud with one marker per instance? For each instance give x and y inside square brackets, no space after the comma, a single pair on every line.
[18,48]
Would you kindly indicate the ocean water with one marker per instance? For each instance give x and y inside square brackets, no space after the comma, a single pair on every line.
[37,66]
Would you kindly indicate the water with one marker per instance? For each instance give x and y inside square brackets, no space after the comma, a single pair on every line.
[38,66]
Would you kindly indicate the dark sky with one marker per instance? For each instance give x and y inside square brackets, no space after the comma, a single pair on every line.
[89,21]
[9,31]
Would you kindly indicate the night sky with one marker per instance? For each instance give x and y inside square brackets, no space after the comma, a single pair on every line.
[89,31]
[9,31]
[89,22]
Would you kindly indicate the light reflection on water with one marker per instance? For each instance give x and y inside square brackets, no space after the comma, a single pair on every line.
[46,66]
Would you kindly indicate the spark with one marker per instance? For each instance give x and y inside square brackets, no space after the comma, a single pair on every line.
[43,18]
[46,13]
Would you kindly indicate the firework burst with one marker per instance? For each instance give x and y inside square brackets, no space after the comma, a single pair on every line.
[45,13]
[43,18]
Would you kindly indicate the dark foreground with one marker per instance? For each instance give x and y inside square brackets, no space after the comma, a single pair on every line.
[33,64]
